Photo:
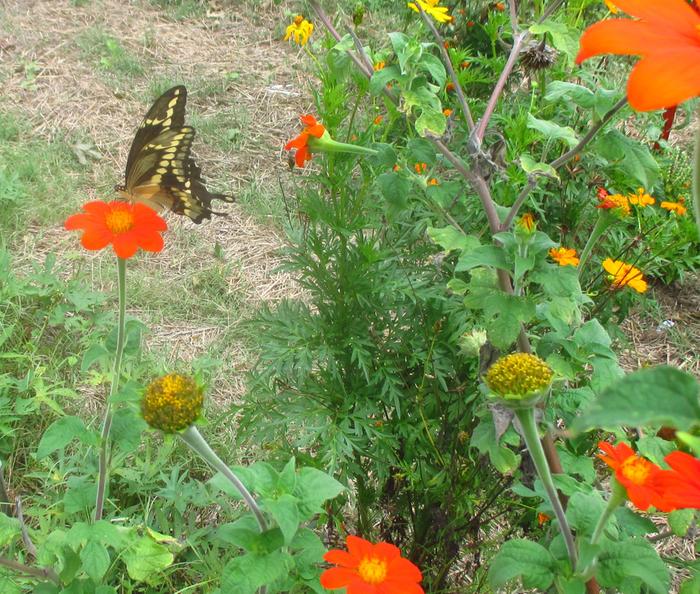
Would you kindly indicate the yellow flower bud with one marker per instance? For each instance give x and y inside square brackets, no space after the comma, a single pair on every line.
[172,403]
[519,378]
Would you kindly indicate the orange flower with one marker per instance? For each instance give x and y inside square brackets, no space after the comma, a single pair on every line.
[300,143]
[470,24]
[465,64]
[378,120]
[666,36]
[396,167]
[681,484]
[611,7]
[564,256]
[639,477]
[676,207]
[367,568]
[126,226]
[433,182]
[379,66]
[447,112]
[616,202]
[542,518]
[420,167]
[527,222]
[450,87]
[622,275]
[641,198]
[499,6]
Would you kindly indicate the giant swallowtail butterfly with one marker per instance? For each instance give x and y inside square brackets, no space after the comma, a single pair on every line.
[160,171]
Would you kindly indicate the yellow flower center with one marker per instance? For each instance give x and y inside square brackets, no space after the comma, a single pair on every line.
[172,403]
[372,570]
[636,470]
[519,374]
[119,221]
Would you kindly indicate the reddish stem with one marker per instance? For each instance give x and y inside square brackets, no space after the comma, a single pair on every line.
[669,118]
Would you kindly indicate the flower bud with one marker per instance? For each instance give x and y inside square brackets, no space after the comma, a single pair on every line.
[172,403]
[519,380]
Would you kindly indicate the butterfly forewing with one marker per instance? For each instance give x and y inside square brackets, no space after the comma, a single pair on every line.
[160,170]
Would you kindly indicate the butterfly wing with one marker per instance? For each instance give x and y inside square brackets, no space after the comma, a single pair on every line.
[160,171]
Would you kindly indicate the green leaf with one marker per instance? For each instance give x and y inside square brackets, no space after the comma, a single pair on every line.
[315,487]
[633,524]
[95,560]
[634,557]
[449,238]
[484,439]
[523,559]
[654,396]
[61,432]
[435,67]
[581,96]
[80,494]
[691,585]
[552,130]
[630,156]
[531,167]
[146,558]
[285,511]
[381,78]
[692,441]
[583,512]
[96,353]
[563,38]
[10,529]
[681,520]
[394,187]
[483,255]
[431,121]
[245,574]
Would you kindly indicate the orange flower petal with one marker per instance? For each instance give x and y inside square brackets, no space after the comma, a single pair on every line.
[95,240]
[398,586]
[145,215]
[360,587]
[665,79]
[97,207]
[387,551]
[298,142]
[151,242]
[359,547]
[675,14]
[308,120]
[337,577]
[317,130]
[125,246]
[405,569]
[342,558]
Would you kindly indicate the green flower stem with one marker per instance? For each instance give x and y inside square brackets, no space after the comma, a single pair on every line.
[326,144]
[603,222]
[617,498]
[696,179]
[526,416]
[116,375]
[193,438]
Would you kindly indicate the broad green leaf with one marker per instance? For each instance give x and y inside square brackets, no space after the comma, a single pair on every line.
[245,574]
[630,156]
[523,559]
[484,439]
[681,520]
[581,96]
[315,487]
[9,529]
[552,130]
[655,396]
[95,560]
[285,511]
[449,238]
[532,167]
[634,557]
[431,121]
[691,585]
[80,494]
[61,432]
[483,255]
[692,441]
[655,448]
[394,187]
[146,558]
[583,512]
[634,524]
[381,78]
[434,66]
[563,38]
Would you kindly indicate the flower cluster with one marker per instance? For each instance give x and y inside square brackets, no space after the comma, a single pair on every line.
[300,30]
[172,403]
[519,377]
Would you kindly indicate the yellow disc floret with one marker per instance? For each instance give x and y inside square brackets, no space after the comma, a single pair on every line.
[172,403]
[518,376]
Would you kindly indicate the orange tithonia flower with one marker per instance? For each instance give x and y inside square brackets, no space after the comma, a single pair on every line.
[543,518]
[666,36]
[639,476]
[615,202]
[564,256]
[450,87]
[527,222]
[681,484]
[677,207]
[641,198]
[433,182]
[625,275]
[499,6]
[301,142]
[367,568]
[378,120]
[127,227]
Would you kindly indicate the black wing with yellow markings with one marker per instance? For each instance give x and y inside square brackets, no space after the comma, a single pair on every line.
[159,170]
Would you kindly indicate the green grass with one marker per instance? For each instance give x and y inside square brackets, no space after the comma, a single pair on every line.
[224,130]
[179,10]
[108,54]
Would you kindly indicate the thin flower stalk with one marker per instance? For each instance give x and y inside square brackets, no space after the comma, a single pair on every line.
[116,375]
[696,180]
[601,225]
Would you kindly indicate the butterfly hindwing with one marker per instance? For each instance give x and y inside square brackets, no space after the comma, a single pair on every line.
[160,171]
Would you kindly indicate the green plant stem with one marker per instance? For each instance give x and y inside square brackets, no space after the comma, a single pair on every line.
[696,179]
[116,375]
[599,228]
[617,498]
[46,573]
[193,438]
[526,416]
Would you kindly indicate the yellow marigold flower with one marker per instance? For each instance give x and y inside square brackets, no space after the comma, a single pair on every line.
[379,66]
[439,13]
[676,207]
[611,7]
[615,202]
[300,30]
[641,198]
[447,112]
[172,403]
[519,377]
[622,274]
[433,181]
[564,256]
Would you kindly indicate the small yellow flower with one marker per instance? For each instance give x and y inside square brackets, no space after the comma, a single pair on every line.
[622,275]
[300,30]
[519,377]
[564,256]
[677,207]
[447,112]
[439,13]
[172,403]
[379,66]
[611,7]
[641,198]
[433,182]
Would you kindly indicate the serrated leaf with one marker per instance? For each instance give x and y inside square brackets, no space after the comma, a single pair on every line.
[435,67]
[552,130]
[95,560]
[431,121]
[580,95]
[285,511]
[563,38]
[449,238]
[9,529]
[394,187]
[315,487]
[483,255]
[146,558]
[630,156]
[61,432]
[523,559]
[634,557]
[681,520]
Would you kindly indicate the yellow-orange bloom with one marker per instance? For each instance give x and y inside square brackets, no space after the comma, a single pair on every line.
[666,35]
[433,182]
[622,275]
[420,167]
[616,202]
[527,222]
[676,207]
[378,120]
[641,198]
[300,30]
[564,256]
[379,66]
[431,7]
[611,7]
[447,112]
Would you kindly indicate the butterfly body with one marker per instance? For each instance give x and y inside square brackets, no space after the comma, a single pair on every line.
[159,170]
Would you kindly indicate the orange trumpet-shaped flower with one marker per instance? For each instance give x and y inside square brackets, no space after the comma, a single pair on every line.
[301,142]
[367,568]
[127,227]
[681,484]
[639,477]
[666,35]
